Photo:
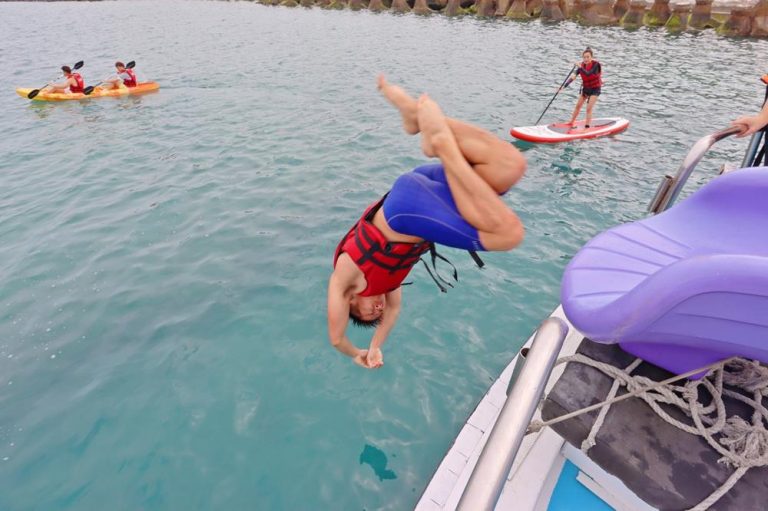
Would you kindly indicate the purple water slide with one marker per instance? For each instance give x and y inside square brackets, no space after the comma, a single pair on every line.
[683,288]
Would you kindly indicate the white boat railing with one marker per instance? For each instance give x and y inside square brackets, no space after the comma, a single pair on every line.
[670,187]
[487,480]
[752,148]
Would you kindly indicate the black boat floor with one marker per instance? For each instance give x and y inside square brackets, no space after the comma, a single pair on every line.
[666,467]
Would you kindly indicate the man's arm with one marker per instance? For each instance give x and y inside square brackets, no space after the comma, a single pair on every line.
[571,77]
[338,313]
[753,123]
[60,86]
[394,299]
[391,313]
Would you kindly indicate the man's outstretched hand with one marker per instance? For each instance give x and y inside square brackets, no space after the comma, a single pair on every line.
[375,359]
[369,359]
[361,358]
[751,124]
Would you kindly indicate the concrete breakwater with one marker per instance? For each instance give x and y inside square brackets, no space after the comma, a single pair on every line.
[742,19]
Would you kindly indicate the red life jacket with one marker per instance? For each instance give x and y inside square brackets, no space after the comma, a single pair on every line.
[80,83]
[385,264]
[591,81]
[132,82]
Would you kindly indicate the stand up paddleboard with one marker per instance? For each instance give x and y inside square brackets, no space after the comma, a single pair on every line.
[562,132]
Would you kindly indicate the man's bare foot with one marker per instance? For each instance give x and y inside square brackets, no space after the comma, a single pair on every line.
[403,102]
[435,132]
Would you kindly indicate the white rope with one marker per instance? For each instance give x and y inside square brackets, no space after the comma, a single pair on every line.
[725,488]
[740,443]
[535,426]
[590,441]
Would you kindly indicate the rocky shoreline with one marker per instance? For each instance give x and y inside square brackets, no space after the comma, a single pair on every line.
[727,17]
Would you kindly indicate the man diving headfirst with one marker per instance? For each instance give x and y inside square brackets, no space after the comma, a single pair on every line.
[455,203]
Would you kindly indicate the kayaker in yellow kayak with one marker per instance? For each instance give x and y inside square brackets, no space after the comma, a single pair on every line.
[126,85]
[125,77]
[73,83]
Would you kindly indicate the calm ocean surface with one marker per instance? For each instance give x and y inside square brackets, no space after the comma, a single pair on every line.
[164,258]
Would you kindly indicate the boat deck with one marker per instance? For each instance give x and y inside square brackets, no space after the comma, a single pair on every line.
[666,467]
[639,462]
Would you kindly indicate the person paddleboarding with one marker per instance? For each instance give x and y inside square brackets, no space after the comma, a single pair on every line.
[591,73]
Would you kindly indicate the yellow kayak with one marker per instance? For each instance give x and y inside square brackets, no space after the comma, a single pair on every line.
[98,92]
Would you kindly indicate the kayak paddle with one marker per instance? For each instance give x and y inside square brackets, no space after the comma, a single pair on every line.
[35,92]
[556,93]
[90,88]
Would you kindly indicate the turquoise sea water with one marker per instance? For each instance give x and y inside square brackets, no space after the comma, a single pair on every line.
[164,258]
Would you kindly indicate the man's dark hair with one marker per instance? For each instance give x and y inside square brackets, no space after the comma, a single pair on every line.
[588,50]
[373,323]
[119,64]
[66,69]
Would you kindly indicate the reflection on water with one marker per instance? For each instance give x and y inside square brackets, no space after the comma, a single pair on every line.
[570,151]
[522,145]
[40,108]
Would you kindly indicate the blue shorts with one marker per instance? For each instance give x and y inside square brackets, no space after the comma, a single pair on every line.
[420,204]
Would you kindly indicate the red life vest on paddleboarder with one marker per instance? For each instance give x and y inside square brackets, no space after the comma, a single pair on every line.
[592,81]
[80,83]
[132,81]
[385,264]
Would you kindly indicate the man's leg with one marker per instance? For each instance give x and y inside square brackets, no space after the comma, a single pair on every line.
[498,162]
[478,203]
[577,110]
[113,83]
[55,88]
[590,106]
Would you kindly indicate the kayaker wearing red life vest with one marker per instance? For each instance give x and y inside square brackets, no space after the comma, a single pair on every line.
[454,203]
[591,81]
[125,76]
[73,83]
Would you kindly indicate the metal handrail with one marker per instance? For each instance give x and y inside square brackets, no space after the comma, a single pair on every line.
[487,479]
[754,143]
[670,187]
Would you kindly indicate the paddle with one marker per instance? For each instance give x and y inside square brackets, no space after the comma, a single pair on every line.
[90,88]
[35,92]
[556,93]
